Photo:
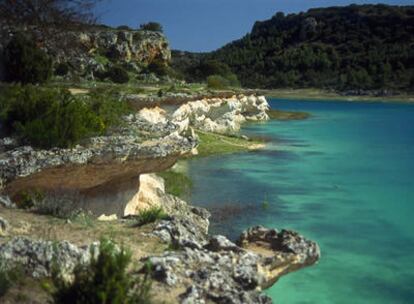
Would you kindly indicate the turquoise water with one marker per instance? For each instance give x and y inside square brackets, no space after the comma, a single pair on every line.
[344,178]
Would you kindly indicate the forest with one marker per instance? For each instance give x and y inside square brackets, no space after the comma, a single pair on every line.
[359,47]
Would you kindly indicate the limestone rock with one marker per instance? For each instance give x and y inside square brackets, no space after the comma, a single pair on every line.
[221,272]
[37,257]
[222,115]
[81,48]
[107,218]
[6,202]
[150,194]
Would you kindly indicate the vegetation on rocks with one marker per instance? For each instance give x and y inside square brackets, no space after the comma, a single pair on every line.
[118,75]
[357,47]
[105,280]
[150,215]
[54,117]
[152,26]
[211,143]
[8,277]
[25,62]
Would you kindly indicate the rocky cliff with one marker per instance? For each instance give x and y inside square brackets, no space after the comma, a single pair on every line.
[109,176]
[91,52]
[105,170]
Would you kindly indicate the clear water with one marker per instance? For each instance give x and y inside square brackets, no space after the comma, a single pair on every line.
[344,178]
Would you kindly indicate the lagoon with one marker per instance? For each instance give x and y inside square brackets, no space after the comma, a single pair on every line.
[344,178]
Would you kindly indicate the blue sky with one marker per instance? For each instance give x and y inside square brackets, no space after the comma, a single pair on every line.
[205,25]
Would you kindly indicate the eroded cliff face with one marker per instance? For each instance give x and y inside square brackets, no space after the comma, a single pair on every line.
[105,171]
[114,176]
[89,52]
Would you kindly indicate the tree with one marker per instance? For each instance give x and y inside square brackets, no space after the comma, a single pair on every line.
[25,62]
[151,26]
[45,13]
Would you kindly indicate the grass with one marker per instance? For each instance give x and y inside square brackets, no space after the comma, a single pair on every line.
[176,183]
[212,143]
[9,277]
[150,215]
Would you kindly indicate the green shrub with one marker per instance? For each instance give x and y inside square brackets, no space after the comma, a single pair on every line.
[150,215]
[48,117]
[151,26]
[118,75]
[158,67]
[105,280]
[28,199]
[8,277]
[55,118]
[217,82]
[62,69]
[25,62]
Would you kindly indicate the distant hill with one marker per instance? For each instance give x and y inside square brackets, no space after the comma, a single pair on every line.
[353,47]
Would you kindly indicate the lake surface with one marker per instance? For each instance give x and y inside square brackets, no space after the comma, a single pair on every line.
[344,178]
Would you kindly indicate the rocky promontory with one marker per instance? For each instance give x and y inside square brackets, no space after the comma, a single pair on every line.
[113,177]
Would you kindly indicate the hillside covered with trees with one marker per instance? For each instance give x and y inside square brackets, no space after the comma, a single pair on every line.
[355,47]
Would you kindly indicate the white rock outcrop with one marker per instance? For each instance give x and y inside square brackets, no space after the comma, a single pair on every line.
[221,115]
[150,194]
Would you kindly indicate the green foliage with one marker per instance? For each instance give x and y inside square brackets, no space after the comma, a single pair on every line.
[176,183]
[217,82]
[54,118]
[151,26]
[8,277]
[158,67]
[105,280]
[211,144]
[354,47]
[118,75]
[150,215]
[62,69]
[82,218]
[25,62]
[27,199]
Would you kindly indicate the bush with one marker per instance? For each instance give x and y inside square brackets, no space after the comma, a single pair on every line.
[8,277]
[54,118]
[150,215]
[25,62]
[105,280]
[48,117]
[151,26]
[62,69]
[217,82]
[158,67]
[28,199]
[118,75]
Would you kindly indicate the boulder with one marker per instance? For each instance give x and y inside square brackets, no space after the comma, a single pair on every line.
[39,257]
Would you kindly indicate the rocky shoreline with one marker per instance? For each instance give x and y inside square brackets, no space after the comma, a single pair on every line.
[110,176]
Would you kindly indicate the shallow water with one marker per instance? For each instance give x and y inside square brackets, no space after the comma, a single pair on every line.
[343,178]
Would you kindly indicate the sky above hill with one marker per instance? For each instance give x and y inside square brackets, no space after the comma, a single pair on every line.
[205,25]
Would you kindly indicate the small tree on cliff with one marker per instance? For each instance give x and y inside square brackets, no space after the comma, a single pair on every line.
[151,26]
